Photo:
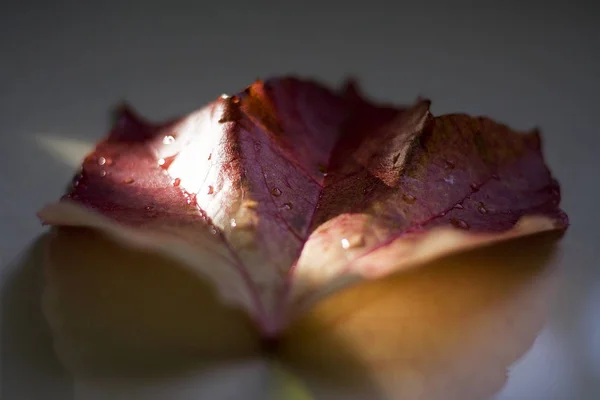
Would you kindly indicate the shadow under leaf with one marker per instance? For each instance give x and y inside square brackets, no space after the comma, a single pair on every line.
[30,369]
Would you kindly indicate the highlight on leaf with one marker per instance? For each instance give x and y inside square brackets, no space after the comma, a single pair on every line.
[289,195]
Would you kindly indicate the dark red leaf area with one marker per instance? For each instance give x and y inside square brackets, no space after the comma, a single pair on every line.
[304,155]
[468,172]
[122,178]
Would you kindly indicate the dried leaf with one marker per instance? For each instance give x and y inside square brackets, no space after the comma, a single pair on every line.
[287,192]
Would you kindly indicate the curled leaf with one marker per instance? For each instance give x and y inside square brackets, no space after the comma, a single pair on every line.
[287,192]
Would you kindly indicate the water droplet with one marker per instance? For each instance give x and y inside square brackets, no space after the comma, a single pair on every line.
[224,96]
[276,192]
[459,206]
[211,189]
[209,156]
[213,230]
[287,206]
[459,223]
[166,162]
[76,180]
[101,161]
[409,198]
[191,198]
[251,204]
[322,169]
[481,208]
[245,223]
[352,241]
[474,187]
[449,164]
[148,208]
[449,180]
[102,174]
[176,182]
[128,180]
[168,139]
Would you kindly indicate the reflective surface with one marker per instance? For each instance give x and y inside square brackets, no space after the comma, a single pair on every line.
[64,66]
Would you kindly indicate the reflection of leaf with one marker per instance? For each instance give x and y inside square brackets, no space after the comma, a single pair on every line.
[285,193]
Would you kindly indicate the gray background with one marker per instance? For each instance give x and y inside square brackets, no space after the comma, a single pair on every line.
[63,64]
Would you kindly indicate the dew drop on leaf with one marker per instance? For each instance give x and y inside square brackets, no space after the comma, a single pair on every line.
[166,162]
[102,173]
[251,204]
[276,192]
[409,198]
[191,198]
[244,224]
[449,179]
[352,241]
[459,223]
[287,206]
[105,161]
[481,208]
[322,169]
[168,139]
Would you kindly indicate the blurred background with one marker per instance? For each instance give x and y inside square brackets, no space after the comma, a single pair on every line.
[64,64]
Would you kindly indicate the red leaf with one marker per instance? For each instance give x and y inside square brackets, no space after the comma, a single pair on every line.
[287,191]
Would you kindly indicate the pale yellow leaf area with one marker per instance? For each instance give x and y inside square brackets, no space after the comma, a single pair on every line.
[447,329]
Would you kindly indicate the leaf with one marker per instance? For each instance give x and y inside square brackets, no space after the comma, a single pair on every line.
[284,194]
[120,312]
[448,330]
